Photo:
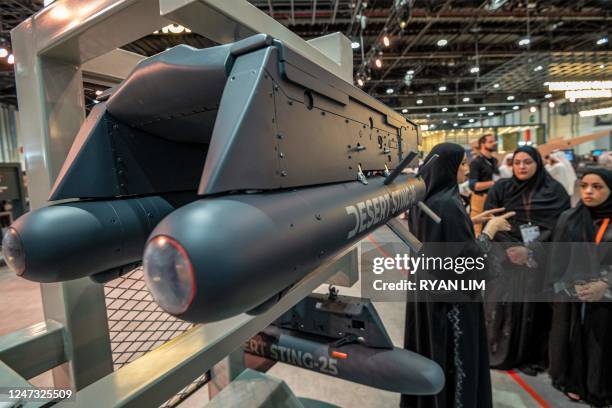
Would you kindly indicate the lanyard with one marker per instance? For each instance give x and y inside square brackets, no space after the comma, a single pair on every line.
[602,230]
[527,205]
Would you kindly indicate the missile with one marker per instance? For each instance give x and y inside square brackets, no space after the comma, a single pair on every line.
[276,239]
[284,157]
[395,370]
[72,240]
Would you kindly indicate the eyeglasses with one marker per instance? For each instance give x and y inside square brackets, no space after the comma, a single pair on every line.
[526,162]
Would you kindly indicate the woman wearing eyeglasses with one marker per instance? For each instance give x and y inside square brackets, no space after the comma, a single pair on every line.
[518,329]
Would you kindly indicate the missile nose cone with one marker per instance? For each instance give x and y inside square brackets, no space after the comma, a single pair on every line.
[13,251]
[168,274]
[433,376]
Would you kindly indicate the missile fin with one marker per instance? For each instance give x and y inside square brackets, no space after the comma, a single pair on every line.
[405,235]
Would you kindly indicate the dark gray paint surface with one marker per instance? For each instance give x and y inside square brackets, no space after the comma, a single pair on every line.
[277,238]
[395,370]
[252,115]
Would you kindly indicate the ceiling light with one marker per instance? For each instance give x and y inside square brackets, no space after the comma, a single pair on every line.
[483,108]
[403,24]
[176,28]
[390,91]
[474,70]
[576,85]
[602,41]
[444,109]
[596,112]
[404,110]
[3,52]
[445,121]
[460,114]
[548,96]
[538,68]
[432,126]
[515,107]
[419,101]
[98,92]
[455,124]
[495,86]
[378,63]
[510,97]
[442,42]
[96,101]
[410,72]
[589,93]
[601,66]
[524,41]
[354,45]
[442,88]
[572,100]
[428,115]
[533,109]
[466,99]
[491,113]
[386,41]
[551,104]
[471,120]
[360,82]
[11,59]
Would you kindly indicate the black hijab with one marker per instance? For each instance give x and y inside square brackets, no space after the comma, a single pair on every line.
[574,257]
[603,210]
[442,196]
[456,230]
[538,200]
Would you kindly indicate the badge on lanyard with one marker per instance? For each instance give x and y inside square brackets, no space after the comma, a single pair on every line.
[529,233]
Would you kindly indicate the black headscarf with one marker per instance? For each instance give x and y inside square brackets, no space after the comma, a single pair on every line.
[574,257]
[603,210]
[441,176]
[538,200]
[442,196]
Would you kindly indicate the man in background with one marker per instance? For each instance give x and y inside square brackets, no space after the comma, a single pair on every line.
[482,171]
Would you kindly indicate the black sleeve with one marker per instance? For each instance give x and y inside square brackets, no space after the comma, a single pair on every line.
[494,198]
[475,169]
[455,239]
[474,175]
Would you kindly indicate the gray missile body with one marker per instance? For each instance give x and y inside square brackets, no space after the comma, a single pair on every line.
[277,238]
[395,370]
[73,240]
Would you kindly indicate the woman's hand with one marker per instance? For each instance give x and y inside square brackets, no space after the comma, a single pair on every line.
[497,224]
[486,215]
[592,291]
[518,255]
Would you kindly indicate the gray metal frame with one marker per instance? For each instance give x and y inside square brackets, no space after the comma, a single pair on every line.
[159,374]
[55,50]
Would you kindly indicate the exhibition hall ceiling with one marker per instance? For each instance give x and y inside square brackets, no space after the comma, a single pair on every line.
[421,56]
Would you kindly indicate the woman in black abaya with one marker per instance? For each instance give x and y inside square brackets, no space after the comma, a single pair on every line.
[581,260]
[450,333]
[518,329]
